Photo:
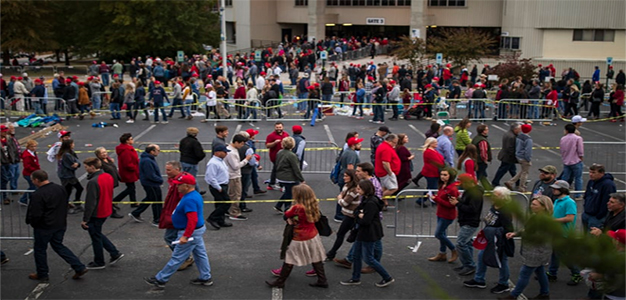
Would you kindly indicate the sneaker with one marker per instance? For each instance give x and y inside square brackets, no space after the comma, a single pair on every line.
[130,121]
[278,210]
[359,118]
[270,188]
[343,263]
[351,282]
[188,262]
[136,219]
[337,220]
[78,274]
[467,271]
[551,278]
[384,283]
[4,261]
[311,273]
[155,224]
[116,215]
[208,282]
[260,192]
[23,203]
[238,218]
[115,259]
[164,122]
[371,121]
[246,210]
[575,280]
[93,266]
[154,282]
[276,187]
[474,284]
[276,272]
[500,288]
[458,269]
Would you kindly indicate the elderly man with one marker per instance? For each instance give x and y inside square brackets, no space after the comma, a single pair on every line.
[217,177]
[615,219]
[597,194]
[444,145]
[188,219]
[10,158]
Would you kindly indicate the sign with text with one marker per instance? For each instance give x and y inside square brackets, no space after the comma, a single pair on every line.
[375,21]
[439,58]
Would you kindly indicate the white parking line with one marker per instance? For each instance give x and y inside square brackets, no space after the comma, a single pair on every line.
[331,138]
[417,130]
[37,291]
[600,133]
[277,293]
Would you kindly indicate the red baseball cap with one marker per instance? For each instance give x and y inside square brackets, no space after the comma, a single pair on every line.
[296,129]
[353,141]
[252,132]
[185,178]
[619,235]
[3,128]
[157,82]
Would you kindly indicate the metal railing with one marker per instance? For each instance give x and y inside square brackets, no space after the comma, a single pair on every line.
[610,154]
[12,220]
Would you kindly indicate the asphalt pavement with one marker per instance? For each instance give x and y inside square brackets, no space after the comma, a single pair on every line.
[242,256]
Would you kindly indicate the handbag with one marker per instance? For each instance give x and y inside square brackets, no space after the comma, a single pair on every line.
[480,242]
[323,228]
[352,234]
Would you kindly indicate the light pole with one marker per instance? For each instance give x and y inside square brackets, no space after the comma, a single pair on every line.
[223,36]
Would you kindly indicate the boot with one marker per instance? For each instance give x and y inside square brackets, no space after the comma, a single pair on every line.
[453,256]
[321,276]
[438,257]
[284,273]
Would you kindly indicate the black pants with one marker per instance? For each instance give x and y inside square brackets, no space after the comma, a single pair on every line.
[345,226]
[595,109]
[394,109]
[129,191]
[54,237]
[273,174]
[218,215]
[153,194]
[286,199]
[246,182]
[68,184]
[100,241]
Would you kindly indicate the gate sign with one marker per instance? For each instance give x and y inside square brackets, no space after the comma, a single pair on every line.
[181,56]
[324,55]
[257,55]
[439,58]
[375,21]
[609,61]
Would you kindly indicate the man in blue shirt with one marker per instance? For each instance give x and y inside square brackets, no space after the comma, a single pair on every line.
[565,212]
[217,177]
[444,145]
[188,218]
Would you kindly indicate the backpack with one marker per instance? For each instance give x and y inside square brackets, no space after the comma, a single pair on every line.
[334,174]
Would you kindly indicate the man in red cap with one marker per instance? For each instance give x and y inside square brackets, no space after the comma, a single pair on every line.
[39,92]
[523,153]
[300,144]
[273,143]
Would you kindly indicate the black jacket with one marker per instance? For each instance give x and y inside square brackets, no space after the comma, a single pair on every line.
[470,207]
[370,228]
[48,207]
[191,151]
[507,154]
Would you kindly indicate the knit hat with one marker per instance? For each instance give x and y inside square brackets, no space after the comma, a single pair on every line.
[526,128]
[297,129]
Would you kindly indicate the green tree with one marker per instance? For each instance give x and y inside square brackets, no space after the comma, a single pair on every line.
[25,27]
[411,49]
[462,45]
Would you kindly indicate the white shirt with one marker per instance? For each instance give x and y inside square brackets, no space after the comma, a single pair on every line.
[277,70]
[260,83]
[211,99]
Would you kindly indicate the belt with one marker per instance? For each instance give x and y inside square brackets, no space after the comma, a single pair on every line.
[194,228]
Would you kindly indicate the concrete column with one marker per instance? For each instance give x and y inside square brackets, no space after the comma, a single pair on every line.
[418,18]
[316,25]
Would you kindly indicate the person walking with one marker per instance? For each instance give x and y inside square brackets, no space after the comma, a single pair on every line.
[234,164]
[523,154]
[31,164]
[288,173]
[433,162]
[406,161]
[507,154]
[9,156]
[572,152]
[467,161]
[484,150]
[67,163]
[444,144]
[348,200]
[47,214]
[369,232]
[191,153]
[274,143]
[469,207]
[188,219]
[98,207]
[462,135]
[128,168]
[108,166]
[217,177]
[388,166]
[151,181]
[597,195]
[446,214]
[306,246]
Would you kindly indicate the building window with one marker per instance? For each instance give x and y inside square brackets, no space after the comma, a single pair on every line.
[594,35]
[371,2]
[228,3]
[446,3]
[511,43]
[302,2]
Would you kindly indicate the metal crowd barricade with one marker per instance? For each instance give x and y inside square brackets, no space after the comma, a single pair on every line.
[474,109]
[609,154]
[412,220]
[524,109]
[230,110]
[12,220]
[286,110]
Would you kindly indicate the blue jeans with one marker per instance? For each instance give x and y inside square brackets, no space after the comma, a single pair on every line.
[365,250]
[379,112]
[481,269]
[524,276]
[286,198]
[97,102]
[187,106]
[255,180]
[591,221]
[302,104]
[159,106]
[327,97]
[31,187]
[15,175]
[478,106]
[464,246]
[504,167]
[378,252]
[431,184]
[105,79]
[553,269]
[182,252]
[440,234]
[115,110]
[358,105]
[170,236]
[5,177]
[99,241]
[574,173]
[54,237]
[176,104]
[191,169]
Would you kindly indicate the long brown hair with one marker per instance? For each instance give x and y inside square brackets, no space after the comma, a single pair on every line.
[305,196]
[470,151]
[66,147]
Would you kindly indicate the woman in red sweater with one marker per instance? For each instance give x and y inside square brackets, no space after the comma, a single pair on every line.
[618,102]
[467,160]
[433,161]
[31,164]
[552,102]
[446,213]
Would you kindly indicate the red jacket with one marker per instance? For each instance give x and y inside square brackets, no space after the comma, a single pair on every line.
[554,96]
[619,97]
[240,93]
[446,210]
[171,201]
[31,163]
[128,163]
[99,198]
[433,160]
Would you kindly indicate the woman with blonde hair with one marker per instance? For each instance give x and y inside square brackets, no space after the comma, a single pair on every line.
[129,101]
[433,162]
[211,103]
[306,245]
[288,173]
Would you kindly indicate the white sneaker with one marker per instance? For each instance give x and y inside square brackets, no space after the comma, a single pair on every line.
[130,121]
[164,122]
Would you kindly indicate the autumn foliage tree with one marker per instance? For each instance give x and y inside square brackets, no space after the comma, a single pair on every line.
[514,66]
[411,49]
[462,45]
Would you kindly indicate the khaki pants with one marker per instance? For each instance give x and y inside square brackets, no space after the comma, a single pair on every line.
[234,193]
[521,176]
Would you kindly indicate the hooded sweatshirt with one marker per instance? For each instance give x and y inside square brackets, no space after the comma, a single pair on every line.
[149,173]
[370,228]
[523,147]
[597,195]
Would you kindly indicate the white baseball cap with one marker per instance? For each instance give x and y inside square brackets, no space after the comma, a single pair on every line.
[25,74]
[578,119]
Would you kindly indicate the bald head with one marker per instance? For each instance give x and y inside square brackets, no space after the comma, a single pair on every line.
[448,130]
